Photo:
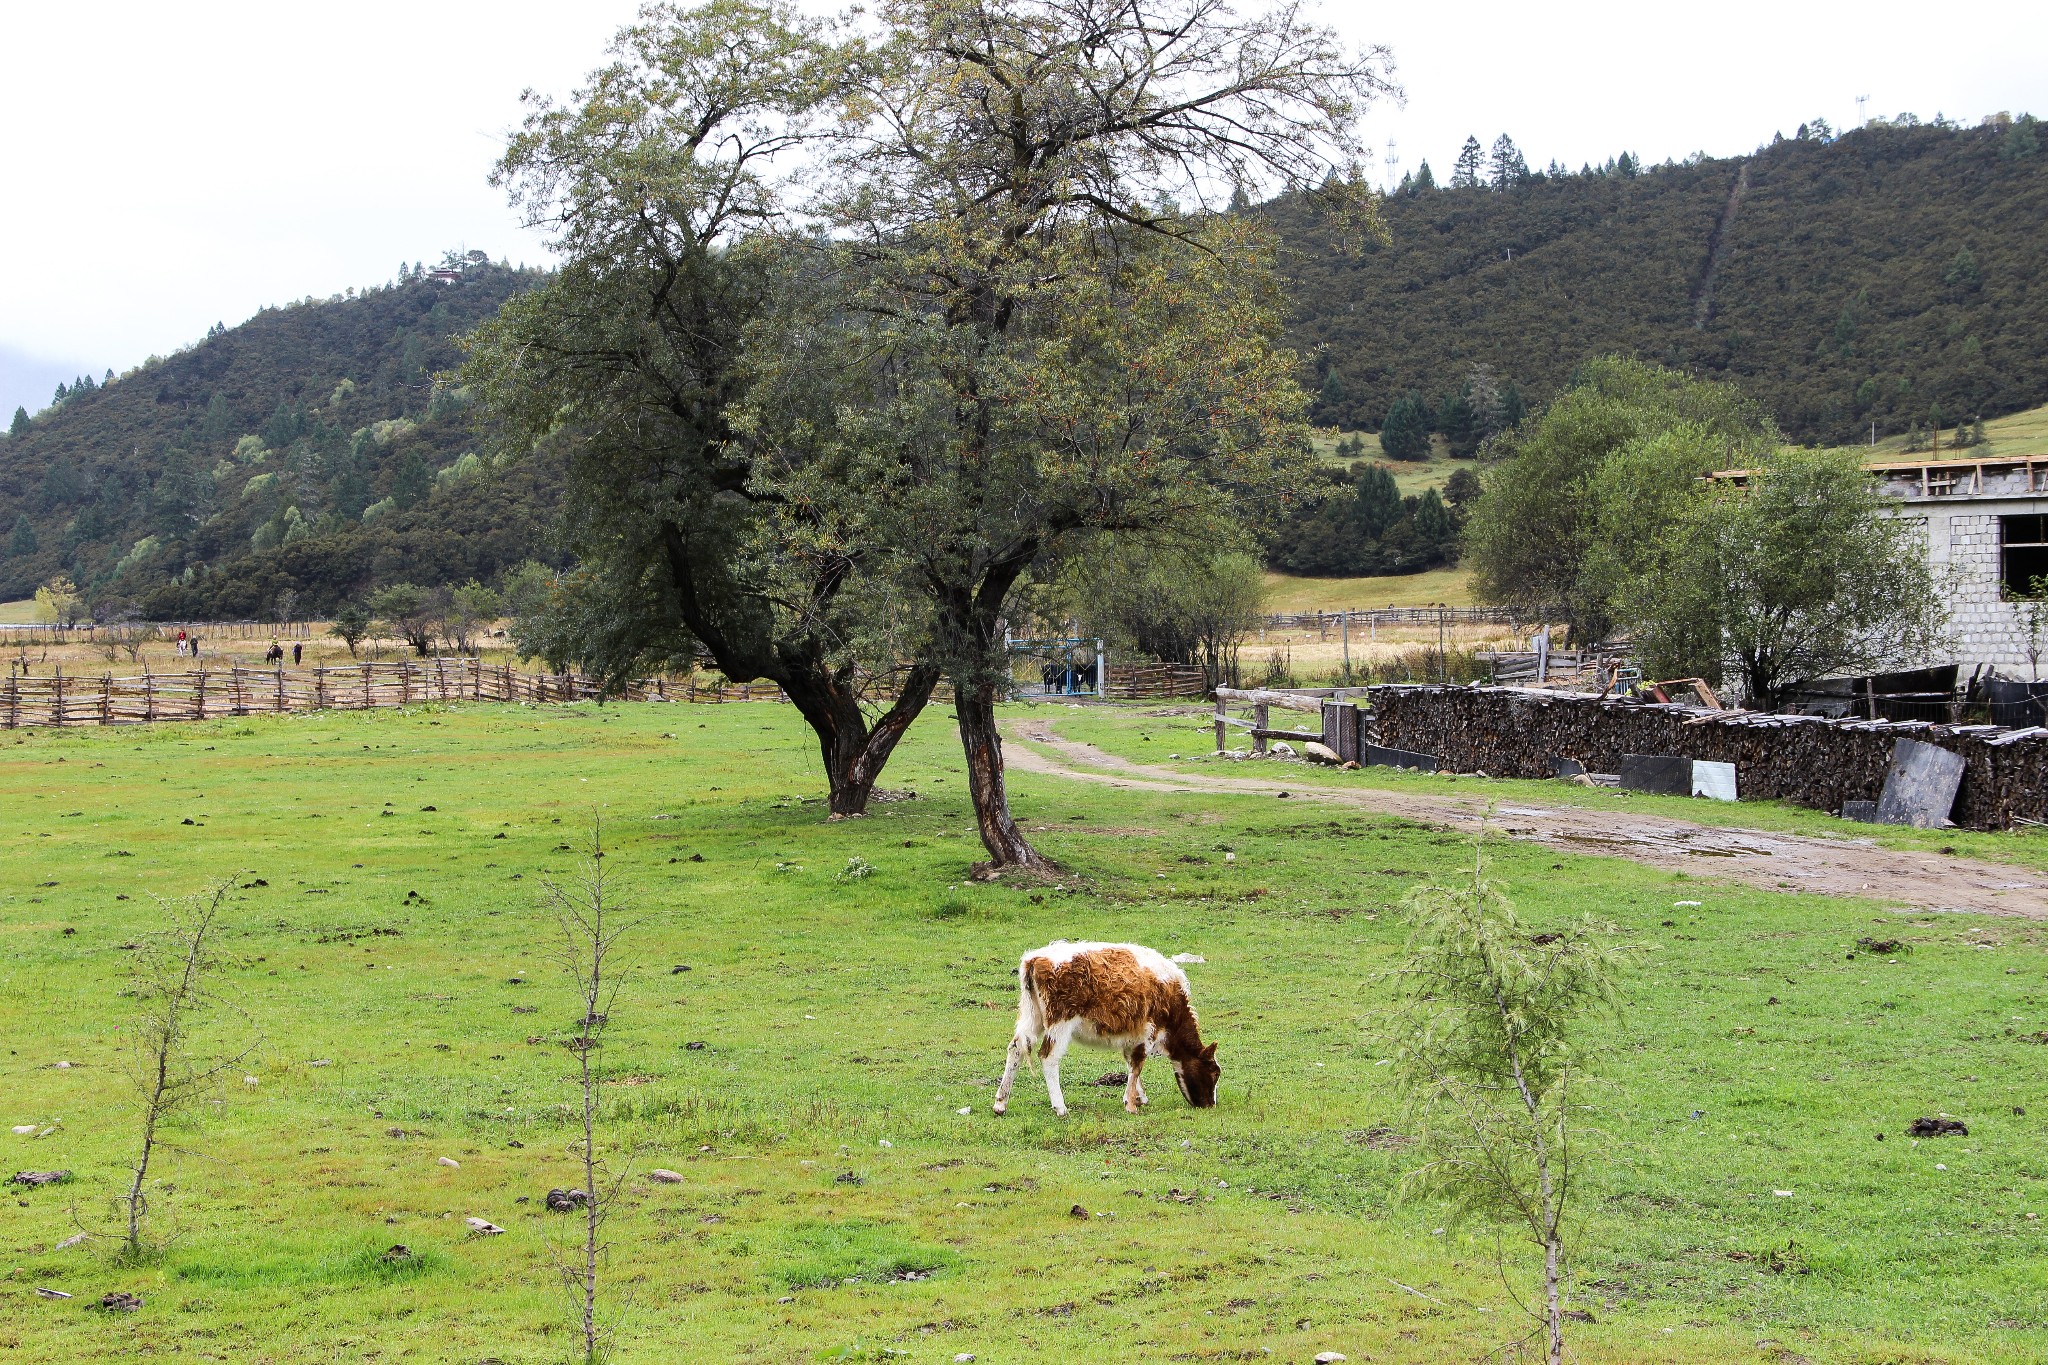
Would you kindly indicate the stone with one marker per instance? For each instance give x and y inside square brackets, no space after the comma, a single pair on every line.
[1189,957]
[665,1177]
[1920,785]
[482,1227]
[35,1178]
[1657,774]
[1330,1357]
[1321,753]
[450,1161]
[120,1302]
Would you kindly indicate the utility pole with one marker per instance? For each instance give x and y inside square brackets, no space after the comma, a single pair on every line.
[1861,101]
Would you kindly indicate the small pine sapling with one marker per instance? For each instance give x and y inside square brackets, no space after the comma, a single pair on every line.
[590,924]
[1487,1052]
[170,1074]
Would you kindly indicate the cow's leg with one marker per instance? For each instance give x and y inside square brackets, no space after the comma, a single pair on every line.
[1134,1089]
[1020,1047]
[1052,1049]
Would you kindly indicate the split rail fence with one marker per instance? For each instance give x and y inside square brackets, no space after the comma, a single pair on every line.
[76,699]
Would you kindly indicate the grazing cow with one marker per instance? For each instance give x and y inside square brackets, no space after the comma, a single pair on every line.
[1115,995]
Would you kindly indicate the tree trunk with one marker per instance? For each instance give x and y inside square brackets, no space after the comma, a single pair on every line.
[1553,1306]
[983,746]
[853,753]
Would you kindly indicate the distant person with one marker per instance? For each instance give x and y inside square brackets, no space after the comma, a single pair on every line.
[181,643]
[195,646]
[298,652]
[275,654]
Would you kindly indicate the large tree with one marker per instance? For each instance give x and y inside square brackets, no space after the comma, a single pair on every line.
[661,184]
[1801,570]
[1543,536]
[1045,332]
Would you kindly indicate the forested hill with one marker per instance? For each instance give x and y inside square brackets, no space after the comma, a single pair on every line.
[1876,277]
[309,450]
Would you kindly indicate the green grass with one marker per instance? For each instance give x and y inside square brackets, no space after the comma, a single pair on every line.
[2005,438]
[1448,587]
[845,1022]
[1410,476]
[22,613]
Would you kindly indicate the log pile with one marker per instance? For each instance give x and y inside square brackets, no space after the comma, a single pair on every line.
[1807,760]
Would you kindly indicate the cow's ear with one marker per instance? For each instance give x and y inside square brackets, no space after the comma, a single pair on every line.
[1209,1053]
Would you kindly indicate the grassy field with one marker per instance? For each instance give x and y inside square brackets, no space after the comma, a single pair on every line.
[22,613]
[2019,433]
[386,945]
[1410,476]
[1448,587]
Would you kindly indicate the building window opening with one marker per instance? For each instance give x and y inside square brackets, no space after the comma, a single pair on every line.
[2023,545]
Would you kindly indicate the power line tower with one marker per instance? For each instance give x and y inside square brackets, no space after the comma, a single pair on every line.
[1393,167]
[1861,102]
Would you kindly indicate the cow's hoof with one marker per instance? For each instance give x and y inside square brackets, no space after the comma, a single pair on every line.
[1130,1108]
[1061,1113]
[999,1109]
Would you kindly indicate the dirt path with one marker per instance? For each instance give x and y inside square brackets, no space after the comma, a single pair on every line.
[1780,862]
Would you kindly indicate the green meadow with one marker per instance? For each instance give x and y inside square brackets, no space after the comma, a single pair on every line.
[387,955]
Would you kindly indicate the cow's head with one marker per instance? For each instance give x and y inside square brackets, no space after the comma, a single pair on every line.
[1197,1076]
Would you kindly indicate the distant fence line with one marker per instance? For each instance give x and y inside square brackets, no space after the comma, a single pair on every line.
[43,633]
[1324,621]
[203,694]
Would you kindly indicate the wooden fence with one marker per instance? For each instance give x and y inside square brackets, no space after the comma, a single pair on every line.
[1134,682]
[1360,618]
[41,634]
[72,699]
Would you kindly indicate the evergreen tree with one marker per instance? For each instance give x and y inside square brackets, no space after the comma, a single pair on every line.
[23,539]
[1436,531]
[1378,501]
[1425,179]
[1507,169]
[1963,273]
[20,422]
[411,484]
[1512,408]
[1627,166]
[1330,402]
[1404,435]
[1465,174]
[1454,420]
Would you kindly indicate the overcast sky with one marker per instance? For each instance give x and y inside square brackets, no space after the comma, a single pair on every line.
[167,166]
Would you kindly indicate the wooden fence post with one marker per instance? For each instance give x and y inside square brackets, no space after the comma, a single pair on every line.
[106,699]
[57,706]
[148,695]
[1259,719]
[199,695]
[1219,722]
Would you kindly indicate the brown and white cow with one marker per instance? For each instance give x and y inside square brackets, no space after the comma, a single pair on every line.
[1116,995]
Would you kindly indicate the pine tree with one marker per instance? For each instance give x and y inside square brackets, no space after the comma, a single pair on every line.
[1405,433]
[1507,169]
[1379,501]
[1465,175]
[1454,420]
[411,484]
[1425,179]
[1627,165]
[22,541]
[20,422]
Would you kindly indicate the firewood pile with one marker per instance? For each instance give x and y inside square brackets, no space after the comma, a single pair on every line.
[1807,760]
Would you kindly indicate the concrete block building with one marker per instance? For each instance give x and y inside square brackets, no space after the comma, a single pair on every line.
[1987,528]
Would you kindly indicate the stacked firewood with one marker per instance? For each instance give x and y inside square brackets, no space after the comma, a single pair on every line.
[1809,761]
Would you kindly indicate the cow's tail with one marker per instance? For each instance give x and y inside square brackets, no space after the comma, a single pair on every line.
[1030,1016]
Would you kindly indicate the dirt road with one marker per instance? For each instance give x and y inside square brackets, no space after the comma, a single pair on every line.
[1783,862]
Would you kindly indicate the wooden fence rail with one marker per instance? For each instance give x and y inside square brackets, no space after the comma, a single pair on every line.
[62,699]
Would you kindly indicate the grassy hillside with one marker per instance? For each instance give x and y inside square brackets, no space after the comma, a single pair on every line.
[310,449]
[386,944]
[1438,587]
[1872,278]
